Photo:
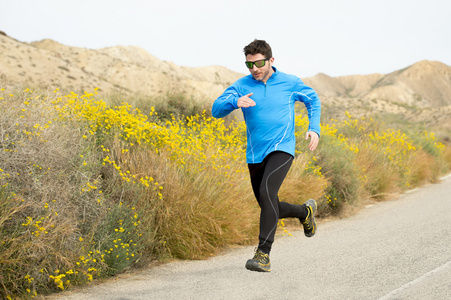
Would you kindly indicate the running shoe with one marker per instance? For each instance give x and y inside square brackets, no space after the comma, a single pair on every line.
[309,223]
[260,262]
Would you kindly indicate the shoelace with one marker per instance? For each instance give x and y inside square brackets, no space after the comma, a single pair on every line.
[260,256]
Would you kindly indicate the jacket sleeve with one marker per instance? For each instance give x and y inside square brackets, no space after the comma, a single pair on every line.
[226,103]
[310,98]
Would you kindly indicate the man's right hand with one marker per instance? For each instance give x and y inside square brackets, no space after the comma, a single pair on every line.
[245,101]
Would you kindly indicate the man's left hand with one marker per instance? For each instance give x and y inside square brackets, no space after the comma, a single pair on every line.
[314,140]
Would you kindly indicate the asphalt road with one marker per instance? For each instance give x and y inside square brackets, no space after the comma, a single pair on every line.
[399,249]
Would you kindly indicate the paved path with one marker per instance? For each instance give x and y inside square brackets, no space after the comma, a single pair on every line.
[397,249]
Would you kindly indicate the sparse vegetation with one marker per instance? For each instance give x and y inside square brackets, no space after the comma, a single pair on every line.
[90,189]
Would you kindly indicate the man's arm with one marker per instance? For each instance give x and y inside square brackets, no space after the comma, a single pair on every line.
[226,103]
[313,104]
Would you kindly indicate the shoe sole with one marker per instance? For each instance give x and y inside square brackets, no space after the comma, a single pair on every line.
[252,265]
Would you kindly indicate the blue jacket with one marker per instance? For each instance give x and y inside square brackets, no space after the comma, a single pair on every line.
[270,123]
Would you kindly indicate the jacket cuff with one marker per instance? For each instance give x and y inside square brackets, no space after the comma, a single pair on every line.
[235,102]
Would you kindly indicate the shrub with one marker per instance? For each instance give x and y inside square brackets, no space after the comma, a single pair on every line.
[338,164]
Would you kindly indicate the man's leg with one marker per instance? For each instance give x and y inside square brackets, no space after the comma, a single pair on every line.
[266,179]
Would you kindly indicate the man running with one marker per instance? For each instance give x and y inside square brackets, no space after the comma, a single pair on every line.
[266,98]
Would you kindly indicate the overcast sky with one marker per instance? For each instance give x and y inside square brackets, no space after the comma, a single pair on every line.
[335,37]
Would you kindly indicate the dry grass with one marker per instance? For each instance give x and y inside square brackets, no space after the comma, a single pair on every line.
[380,180]
[42,181]
[198,213]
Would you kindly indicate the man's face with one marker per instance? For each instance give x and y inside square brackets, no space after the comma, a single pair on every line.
[264,72]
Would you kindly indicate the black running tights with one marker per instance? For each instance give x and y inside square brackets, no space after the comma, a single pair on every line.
[266,179]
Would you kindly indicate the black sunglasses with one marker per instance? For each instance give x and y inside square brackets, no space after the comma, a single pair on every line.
[259,63]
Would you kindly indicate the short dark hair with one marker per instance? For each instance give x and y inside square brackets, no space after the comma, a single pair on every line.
[258,46]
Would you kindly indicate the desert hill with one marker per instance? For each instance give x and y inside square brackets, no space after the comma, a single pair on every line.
[131,69]
[417,94]
[423,84]
[120,69]
[420,92]
[426,82]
